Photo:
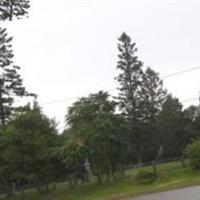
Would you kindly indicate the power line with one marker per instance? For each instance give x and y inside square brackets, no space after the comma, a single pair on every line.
[67,99]
[113,89]
[180,72]
[58,101]
[189,100]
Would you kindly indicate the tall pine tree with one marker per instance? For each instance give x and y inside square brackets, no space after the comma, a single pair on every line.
[129,78]
[130,82]
[10,81]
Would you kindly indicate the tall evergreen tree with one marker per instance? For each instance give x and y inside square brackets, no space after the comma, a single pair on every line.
[10,9]
[130,82]
[152,97]
[10,80]
[129,78]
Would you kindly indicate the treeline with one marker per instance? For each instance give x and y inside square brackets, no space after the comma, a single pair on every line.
[143,124]
[103,136]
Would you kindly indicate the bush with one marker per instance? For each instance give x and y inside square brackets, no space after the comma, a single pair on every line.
[192,152]
[146,177]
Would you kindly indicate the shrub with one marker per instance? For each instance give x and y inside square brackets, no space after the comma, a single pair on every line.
[146,177]
[192,152]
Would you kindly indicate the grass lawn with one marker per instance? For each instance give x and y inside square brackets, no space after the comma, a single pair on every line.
[171,176]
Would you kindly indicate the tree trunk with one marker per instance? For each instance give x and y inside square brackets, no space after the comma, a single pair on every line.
[46,188]
[154,166]
[11,10]
[22,191]
[139,160]
[99,177]
[7,187]
[2,117]
[110,172]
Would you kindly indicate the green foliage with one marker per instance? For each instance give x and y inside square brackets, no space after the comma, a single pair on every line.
[196,125]
[105,144]
[174,128]
[95,133]
[152,95]
[73,155]
[27,150]
[171,176]
[11,84]
[142,126]
[192,152]
[129,78]
[130,82]
[140,100]
[146,177]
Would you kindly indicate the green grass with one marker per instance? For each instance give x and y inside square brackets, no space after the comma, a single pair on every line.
[170,176]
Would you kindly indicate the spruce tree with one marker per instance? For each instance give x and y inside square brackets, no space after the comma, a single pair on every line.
[10,9]
[11,84]
[152,97]
[130,83]
[10,80]
[129,78]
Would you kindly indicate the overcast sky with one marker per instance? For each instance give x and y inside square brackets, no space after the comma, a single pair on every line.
[68,48]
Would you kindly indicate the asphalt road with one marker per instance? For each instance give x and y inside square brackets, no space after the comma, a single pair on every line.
[192,193]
